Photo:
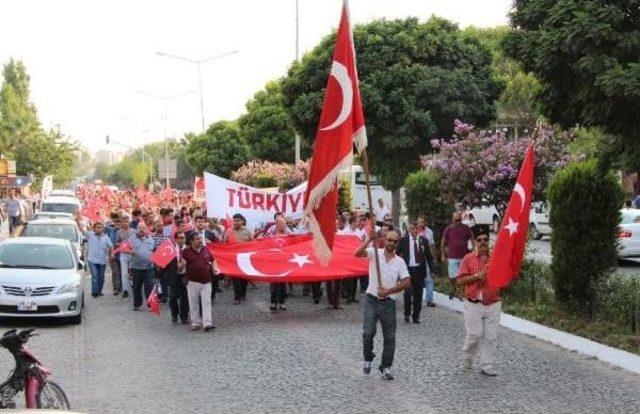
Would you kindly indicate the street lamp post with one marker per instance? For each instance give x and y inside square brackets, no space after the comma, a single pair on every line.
[198,62]
[297,139]
[165,100]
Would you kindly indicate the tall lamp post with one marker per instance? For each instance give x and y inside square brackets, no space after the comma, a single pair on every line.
[198,62]
[297,142]
[165,100]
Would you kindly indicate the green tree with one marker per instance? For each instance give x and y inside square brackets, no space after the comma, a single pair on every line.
[267,127]
[18,119]
[518,102]
[585,53]
[424,195]
[47,153]
[583,245]
[415,79]
[219,151]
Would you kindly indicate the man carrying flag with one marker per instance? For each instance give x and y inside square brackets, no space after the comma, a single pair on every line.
[483,275]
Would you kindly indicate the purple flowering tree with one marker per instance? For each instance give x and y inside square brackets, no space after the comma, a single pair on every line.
[272,174]
[479,168]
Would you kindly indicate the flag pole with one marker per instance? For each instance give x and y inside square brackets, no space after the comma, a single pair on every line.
[365,162]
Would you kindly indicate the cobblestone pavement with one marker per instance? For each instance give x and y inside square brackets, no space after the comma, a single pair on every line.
[308,360]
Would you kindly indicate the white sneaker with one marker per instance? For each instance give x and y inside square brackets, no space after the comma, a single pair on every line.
[489,371]
[386,373]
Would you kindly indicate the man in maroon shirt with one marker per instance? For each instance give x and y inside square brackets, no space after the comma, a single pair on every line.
[481,308]
[198,264]
[455,240]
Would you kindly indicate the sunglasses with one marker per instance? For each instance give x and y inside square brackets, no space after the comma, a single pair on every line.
[395,241]
[482,239]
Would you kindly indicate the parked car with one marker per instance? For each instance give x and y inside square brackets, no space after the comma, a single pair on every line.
[629,233]
[62,204]
[539,220]
[58,228]
[62,193]
[51,215]
[40,277]
[487,216]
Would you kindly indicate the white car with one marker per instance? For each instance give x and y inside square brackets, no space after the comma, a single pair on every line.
[629,233]
[40,277]
[539,221]
[62,193]
[487,216]
[61,204]
[51,215]
[58,228]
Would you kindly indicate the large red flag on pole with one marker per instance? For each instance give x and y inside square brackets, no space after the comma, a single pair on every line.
[341,126]
[507,255]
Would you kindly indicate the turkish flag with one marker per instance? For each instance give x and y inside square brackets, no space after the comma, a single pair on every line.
[165,253]
[91,210]
[507,255]
[154,301]
[289,259]
[341,125]
[123,248]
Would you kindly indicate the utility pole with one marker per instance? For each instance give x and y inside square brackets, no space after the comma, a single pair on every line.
[297,139]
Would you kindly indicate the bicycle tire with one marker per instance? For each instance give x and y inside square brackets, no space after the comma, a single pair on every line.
[52,396]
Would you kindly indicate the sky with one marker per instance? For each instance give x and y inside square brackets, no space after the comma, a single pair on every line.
[93,64]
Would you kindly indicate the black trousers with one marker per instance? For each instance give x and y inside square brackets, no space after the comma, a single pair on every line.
[349,288]
[316,290]
[333,291]
[413,294]
[178,297]
[364,283]
[278,293]
[239,288]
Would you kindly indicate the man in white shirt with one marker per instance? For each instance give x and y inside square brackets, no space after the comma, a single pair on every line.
[380,302]
[380,211]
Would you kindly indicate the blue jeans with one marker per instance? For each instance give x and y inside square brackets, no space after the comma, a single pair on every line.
[428,286]
[97,277]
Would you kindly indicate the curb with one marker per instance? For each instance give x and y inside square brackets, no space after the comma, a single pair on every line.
[613,356]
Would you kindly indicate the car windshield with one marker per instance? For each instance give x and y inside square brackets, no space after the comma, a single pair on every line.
[60,207]
[57,231]
[35,256]
[630,216]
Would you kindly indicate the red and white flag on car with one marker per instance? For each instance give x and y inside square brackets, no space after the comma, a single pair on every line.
[507,255]
[341,126]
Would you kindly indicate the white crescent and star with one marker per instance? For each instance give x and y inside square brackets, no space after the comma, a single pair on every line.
[519,189]
[512,226]
[246,265]
[341,75]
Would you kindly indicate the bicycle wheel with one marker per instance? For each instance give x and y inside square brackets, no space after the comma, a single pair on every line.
[51,396]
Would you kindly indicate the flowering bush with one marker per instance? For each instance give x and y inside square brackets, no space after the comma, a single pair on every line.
[272,174]
[479,168]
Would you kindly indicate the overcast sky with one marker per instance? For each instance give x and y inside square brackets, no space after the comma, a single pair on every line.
[86,59]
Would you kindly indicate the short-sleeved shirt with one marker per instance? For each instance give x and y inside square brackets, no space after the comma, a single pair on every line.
[390,272]
[457,237]
[143,249]
[471,264]
[198,264]
[123,235]
[98,247]
[13,207]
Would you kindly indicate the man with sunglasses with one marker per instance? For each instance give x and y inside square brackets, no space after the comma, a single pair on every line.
[455,244]
[380,301]
[481,308]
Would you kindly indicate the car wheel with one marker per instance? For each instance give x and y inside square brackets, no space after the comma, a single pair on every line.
[76,320]
[534,232]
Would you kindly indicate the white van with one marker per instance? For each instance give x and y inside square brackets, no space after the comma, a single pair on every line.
[57,204]
[356,176]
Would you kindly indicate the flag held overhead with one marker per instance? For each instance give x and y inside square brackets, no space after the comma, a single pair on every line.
[341,126]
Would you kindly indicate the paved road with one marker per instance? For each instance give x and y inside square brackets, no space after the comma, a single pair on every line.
[542,251]
[307,360]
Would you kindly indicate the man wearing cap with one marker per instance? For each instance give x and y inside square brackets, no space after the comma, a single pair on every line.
[481,307]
